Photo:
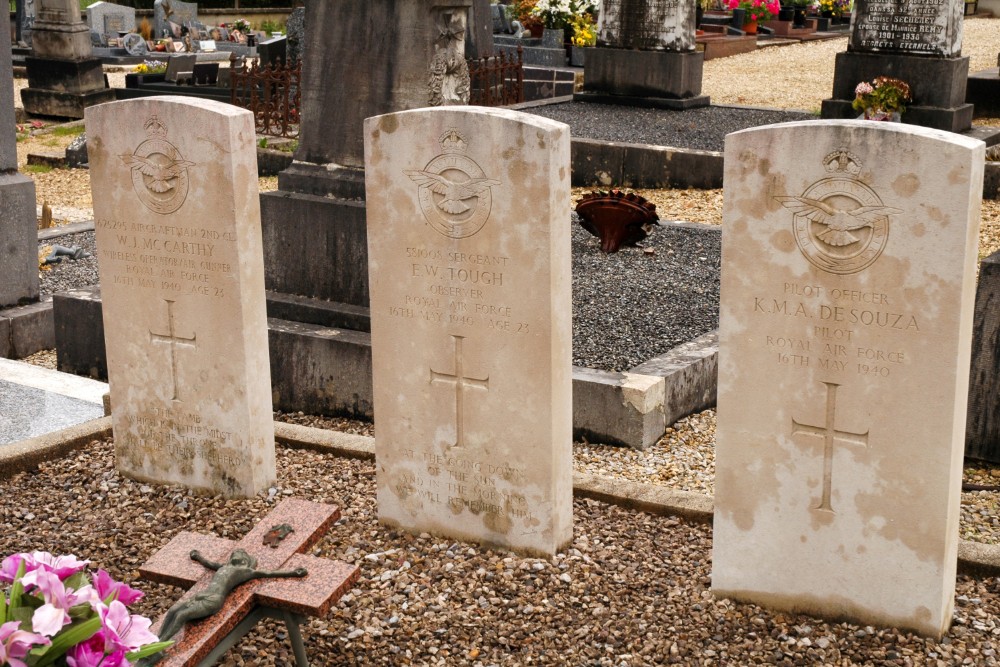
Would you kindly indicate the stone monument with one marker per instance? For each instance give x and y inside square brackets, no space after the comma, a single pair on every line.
[63,76]
[366,58]
[848,278]
[18,240]
[918,43]
[109,20]
[466,219]
[646,49]
[983,426]
[177,216]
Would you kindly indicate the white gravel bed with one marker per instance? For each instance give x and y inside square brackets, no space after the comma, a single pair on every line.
[631,588]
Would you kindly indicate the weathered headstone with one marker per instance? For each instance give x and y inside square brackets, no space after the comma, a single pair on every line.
[918,43]
[179,248]
[479,33]
[109,19]
[646,49]
[983,424]
[295,27]
[848,277]
[466,216]
[166,12]
[18,226]
[25,17]
[63,76]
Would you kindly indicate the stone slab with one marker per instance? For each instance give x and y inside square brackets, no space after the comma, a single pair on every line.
[56,104]
[690,372]
[617,408]
[843,369]
[644,73]
[898,26]
[79,333]
[177,221]
[29,329]
[667,25]
[34,402]
[472,376]
[18,244]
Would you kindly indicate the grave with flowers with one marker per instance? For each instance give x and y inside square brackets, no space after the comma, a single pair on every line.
[54,612]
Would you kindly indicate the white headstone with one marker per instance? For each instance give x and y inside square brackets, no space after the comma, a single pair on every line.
[469,262]
[848,278]
[177,217]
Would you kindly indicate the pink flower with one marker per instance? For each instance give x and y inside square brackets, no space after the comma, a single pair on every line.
[106,586]
[863,88]
[53,615]
[15,644]
[62,566]
[124,630]
[91,653]
[8,569]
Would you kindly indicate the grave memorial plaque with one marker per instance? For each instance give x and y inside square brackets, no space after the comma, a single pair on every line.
[844,368]
[178,234]
[647,24]
[911,27]
[469,273]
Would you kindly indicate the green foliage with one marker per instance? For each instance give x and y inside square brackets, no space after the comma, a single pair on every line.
[37,168]
[67,130]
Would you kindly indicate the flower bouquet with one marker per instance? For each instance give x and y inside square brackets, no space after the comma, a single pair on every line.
[54,614]
[756,10]
[151,67]
[559,14]
[882,99]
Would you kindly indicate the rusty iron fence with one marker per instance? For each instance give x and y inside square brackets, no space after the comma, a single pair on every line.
[272,93]
[497,80]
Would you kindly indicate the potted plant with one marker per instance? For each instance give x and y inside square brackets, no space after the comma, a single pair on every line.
[754,11]
[883,99]
[522,11]
[584,36]
[149,71]
[556,16]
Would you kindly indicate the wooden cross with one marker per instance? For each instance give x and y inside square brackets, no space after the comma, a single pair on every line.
[202,642]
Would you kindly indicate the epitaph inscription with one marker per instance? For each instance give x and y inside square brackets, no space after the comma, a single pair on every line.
[912,27]
[647,24]
[470,323]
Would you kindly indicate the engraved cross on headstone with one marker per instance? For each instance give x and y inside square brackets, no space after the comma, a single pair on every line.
[173,340]
[461,383]
[830,435]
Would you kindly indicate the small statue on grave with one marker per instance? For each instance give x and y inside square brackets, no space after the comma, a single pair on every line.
[240,568]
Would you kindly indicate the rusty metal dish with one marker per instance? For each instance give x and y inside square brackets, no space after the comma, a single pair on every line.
[618,219]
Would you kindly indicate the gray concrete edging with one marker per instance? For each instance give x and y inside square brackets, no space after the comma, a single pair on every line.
[974,558]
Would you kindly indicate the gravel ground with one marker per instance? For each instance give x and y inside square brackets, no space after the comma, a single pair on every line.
[702,129]
[628,307]
[632,589]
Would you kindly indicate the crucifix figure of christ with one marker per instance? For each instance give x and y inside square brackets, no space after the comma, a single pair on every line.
[173,340]
[830,435]
[461,383]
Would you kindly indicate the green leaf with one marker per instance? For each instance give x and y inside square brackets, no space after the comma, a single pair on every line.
[76,581]
[149,649]
[3,608]
[17,588]
[68,637]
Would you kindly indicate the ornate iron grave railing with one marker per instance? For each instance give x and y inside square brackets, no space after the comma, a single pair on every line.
[272,93]
[497,80]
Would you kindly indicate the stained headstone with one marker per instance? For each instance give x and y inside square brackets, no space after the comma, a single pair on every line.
[848,277]
[178,64]
[273,51]
[18,225]
[466,216]
[646,49]
[179,249]
[920,44]
[647,24]
[109,19]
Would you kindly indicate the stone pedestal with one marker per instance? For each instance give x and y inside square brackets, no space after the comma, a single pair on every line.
[982,432]
[18,243]
[671,78]
[63,76]
[937,85]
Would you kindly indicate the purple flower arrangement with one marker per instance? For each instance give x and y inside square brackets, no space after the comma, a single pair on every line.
[54,614]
